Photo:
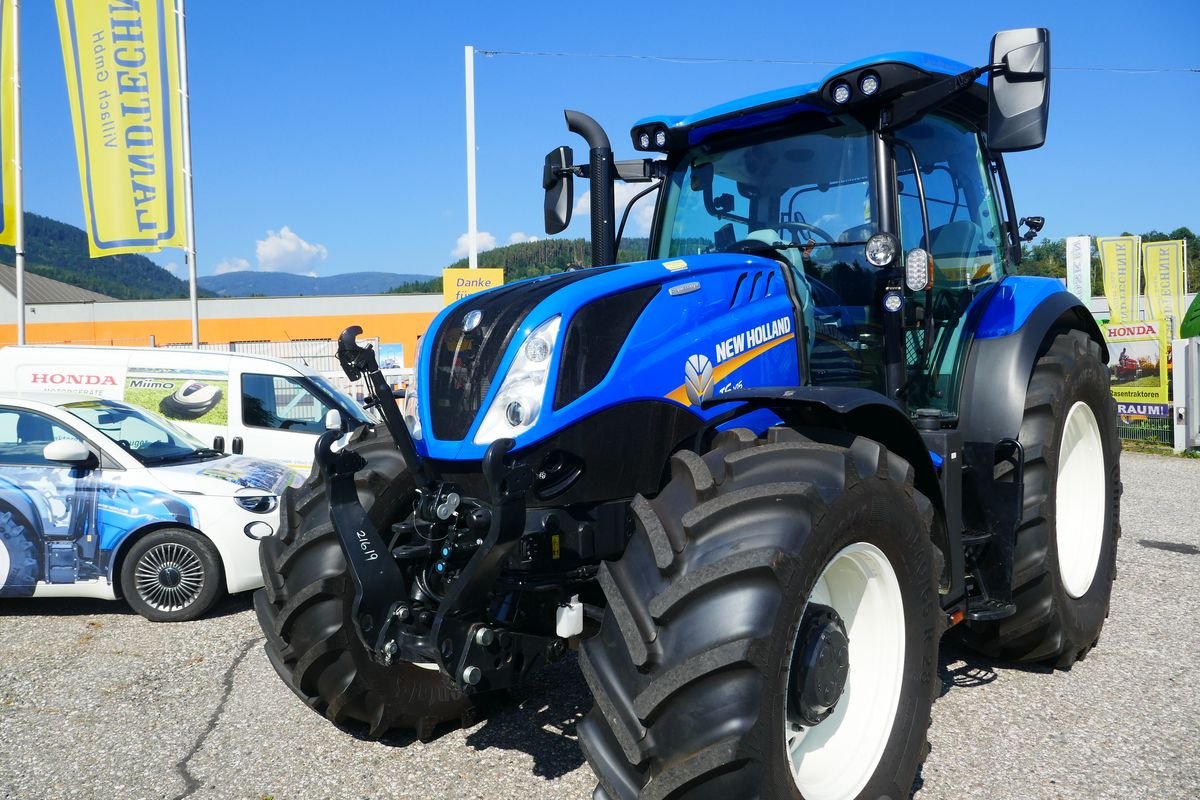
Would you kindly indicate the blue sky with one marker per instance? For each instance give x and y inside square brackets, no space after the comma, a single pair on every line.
[329,137]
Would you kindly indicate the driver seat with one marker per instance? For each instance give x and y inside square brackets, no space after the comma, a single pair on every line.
[795,259]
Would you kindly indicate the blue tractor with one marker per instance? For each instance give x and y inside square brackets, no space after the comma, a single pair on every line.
[756,476]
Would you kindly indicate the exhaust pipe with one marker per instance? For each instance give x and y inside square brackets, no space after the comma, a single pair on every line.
[601,174]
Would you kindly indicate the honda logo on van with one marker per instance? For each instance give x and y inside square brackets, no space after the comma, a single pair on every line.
[71,379]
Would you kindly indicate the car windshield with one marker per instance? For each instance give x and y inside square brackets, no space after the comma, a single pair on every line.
[150,439]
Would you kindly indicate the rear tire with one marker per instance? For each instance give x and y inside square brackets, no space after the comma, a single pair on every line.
[692,671]
[305,610]
[1066,546]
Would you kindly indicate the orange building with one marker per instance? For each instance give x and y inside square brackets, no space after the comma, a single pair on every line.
[57,313]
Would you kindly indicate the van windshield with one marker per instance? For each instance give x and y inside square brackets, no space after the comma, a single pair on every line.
[341,401]
[150,439]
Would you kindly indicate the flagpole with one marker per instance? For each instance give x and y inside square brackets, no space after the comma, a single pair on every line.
[189,209]
[472,243]
[19,193]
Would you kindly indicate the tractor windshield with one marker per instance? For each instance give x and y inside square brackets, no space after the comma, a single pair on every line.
[804,199]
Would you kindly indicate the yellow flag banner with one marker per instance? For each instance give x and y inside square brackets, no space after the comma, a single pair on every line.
[8,111]
[458,282]
[122,70]
[1119,259]
[1163,264]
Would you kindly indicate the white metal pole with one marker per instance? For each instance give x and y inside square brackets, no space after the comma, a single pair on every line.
[19,193]
[473,245]
[188,208]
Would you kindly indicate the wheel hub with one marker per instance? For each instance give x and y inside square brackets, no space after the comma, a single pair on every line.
[820,665]
[170,577]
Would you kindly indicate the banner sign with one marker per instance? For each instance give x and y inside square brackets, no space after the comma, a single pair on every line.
[8,111]
[1163,263]
[1119,259]
[1079,267]
[1138,364]
[457,283]
[122,70]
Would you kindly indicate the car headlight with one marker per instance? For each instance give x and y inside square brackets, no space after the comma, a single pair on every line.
[257,503]
[518,403]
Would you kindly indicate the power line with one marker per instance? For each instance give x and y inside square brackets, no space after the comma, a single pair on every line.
[791,62]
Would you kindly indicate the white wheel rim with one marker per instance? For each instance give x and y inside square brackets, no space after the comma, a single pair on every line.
[835,759]
[1079,500]
[5,564]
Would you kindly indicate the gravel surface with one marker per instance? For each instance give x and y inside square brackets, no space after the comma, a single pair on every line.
[95,702]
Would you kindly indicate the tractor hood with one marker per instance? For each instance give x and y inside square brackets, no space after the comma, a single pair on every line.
[533,358]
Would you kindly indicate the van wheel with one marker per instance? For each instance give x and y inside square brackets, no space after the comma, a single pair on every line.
[171,575]
[18,554]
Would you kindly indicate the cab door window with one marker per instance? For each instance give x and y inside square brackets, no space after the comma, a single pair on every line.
[965,235]
[280,403]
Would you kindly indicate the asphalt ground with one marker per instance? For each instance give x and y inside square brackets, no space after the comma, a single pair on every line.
[97,703]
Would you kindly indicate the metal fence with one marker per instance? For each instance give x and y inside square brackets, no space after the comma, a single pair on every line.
[1150,431]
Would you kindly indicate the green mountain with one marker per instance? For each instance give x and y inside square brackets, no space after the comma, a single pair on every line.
[60,251]
[289,284]
[530,259]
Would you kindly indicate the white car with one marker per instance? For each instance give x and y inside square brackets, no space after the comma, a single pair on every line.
[99,498]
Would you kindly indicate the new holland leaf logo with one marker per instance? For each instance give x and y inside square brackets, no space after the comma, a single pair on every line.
[698,378]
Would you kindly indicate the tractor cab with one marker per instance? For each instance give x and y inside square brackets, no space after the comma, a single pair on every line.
[879,188]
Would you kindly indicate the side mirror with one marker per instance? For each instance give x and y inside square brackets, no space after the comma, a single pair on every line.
[69,451]
[1019,90]
[1035,225]
[559,183]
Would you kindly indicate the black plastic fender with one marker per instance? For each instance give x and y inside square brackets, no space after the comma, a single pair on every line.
[996,378]
[860,412]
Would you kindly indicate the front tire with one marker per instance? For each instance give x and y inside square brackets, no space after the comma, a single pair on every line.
[1066,546]
[171,575]
[700,668]
[306,603]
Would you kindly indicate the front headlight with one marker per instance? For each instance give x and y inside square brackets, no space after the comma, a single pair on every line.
[257,503]
[517,405]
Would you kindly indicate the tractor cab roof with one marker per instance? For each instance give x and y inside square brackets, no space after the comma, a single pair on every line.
[894,75]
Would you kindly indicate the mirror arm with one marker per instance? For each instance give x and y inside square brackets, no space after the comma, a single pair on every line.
[911,106]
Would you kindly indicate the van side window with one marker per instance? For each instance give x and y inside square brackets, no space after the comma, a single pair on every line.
[25,434]
[273,401]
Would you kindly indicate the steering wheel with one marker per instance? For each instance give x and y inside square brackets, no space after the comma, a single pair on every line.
[804,227]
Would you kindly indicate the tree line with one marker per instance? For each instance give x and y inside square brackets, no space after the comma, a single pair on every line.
[1048,258]
[59,251]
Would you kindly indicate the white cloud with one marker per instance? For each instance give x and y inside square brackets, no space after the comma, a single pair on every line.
[173,268]
[284,250]
[640,218]
[484,241]
[521,236]
[230,265]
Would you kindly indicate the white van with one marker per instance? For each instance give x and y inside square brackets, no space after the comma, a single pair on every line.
[243,404]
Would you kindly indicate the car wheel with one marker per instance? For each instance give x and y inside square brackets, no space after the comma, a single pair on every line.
[171,575]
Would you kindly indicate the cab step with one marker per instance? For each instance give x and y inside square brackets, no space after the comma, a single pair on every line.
[988,610]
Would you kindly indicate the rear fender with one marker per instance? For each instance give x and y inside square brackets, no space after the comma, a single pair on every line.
[1004,350]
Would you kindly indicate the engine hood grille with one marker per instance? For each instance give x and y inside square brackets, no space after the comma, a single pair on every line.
[463,363]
